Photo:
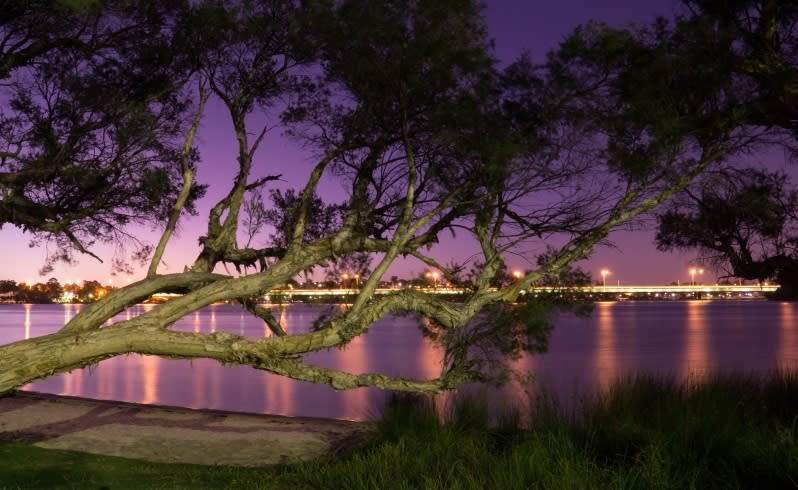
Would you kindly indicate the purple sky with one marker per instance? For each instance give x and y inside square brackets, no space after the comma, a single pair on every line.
[516,26]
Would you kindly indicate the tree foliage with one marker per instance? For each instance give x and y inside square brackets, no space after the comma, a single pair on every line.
[349,270]
[569,275]
[322,218]
[742,221]
[93,119]
[402,103]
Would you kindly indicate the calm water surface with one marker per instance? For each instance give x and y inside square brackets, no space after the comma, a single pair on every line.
[682,339]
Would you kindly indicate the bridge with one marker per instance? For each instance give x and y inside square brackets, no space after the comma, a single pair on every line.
[717,291]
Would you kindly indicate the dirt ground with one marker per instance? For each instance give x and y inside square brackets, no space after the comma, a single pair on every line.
[171,434]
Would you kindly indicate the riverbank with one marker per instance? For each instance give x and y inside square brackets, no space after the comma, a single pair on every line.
[724,432]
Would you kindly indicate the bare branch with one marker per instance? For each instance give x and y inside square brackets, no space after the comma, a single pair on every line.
[94,315]
[264,315]
[188,177]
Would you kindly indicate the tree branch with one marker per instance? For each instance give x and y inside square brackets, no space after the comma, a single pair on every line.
[264,315]
[94,315]
[188,177]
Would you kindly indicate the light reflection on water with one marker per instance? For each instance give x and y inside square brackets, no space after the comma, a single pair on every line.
[606,348]
[788,341]
[682,339]
[27,320]
[696,350]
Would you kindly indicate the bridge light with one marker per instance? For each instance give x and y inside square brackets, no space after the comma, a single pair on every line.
[693,272]
[604,273]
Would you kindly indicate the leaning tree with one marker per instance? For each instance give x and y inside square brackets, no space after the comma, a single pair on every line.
[402,103]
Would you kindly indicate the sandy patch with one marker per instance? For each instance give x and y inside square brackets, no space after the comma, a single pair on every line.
[110,412]
[169,434]
[195,446]
[239,422]
[169,415]
[40,413]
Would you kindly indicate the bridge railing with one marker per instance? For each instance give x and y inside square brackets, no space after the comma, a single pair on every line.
[693,289]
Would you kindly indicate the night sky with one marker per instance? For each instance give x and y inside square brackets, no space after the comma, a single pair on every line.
[516,26]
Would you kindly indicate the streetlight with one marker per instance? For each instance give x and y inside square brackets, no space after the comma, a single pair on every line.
[517,275]
[604,273]
[692,275]
[356,277]
[346,278]
[434,276]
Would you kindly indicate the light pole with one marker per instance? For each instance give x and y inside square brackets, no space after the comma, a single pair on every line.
[693,273]
[604,274]
[517,275]
[346,277]
[434,277]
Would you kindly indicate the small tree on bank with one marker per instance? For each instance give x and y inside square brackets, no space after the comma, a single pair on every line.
[740,221]
[402,103]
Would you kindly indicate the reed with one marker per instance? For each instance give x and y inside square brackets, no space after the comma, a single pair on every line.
[736,431]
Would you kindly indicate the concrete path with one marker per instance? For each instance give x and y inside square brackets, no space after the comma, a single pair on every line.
[171,434]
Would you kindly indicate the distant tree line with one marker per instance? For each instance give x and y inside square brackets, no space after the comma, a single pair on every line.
[52,291]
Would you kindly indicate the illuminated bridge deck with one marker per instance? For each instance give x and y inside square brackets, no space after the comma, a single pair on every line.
[705,289]
[598,292]
[631,291]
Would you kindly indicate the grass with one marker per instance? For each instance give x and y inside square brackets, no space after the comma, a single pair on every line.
[646,432]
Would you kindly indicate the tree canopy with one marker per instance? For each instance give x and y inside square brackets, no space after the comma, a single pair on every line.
[92,120]
[741,218]
[742,222]
[402,102]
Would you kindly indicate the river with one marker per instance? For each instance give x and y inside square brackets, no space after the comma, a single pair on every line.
[670,338]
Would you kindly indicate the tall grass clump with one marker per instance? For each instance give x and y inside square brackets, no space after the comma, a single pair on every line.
[415,446]
[730,431]
[645,432]
[422,445]
[733,431]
